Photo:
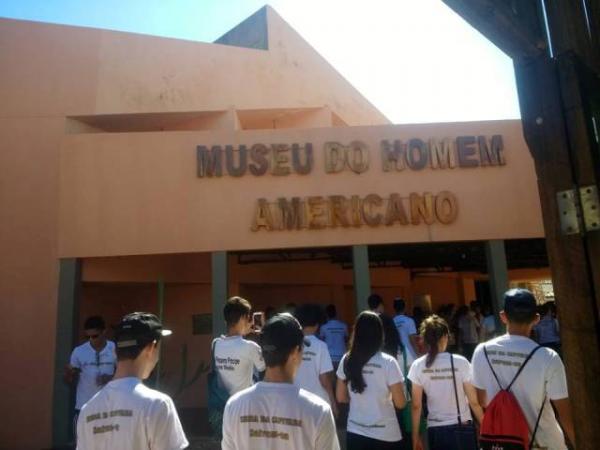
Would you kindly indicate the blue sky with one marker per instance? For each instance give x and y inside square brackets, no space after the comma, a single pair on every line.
[415,60]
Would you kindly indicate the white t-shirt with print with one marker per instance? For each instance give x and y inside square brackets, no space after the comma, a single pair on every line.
[335,334]
[274,416]
[544,375]
[437,383]
[406,327]
[236,359]
[372,412]
[315,361]
[92,364]
[127,415]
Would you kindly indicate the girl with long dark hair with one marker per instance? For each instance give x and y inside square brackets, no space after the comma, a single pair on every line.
[446,379]
[372,382]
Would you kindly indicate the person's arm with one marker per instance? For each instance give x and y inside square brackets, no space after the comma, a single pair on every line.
[341,391]
[473,399]
[326,380]
[557,392]
[398,396]
[481,397]
[72,370]
[479,369]
[395,382]
[413,337]
[71,374]
[327,434]
[258,361]
[563,409]
[417,398]
[327,377]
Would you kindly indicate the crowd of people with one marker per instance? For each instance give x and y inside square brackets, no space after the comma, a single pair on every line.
[439,381]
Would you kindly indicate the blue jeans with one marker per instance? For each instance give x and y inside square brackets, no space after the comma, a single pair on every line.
[450,438]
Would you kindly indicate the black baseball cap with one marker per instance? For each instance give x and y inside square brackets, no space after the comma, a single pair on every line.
[282,332]
[139,328]
[520,302]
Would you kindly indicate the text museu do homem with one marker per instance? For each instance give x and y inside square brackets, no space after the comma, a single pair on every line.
[318,212]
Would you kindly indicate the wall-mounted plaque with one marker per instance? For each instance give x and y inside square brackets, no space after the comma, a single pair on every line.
[202,324]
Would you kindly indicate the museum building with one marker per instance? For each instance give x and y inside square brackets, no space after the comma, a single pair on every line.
[146,173]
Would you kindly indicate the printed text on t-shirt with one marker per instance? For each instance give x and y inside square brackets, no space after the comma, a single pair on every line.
[226,363]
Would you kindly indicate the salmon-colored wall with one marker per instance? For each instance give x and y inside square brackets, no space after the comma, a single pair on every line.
[138,193]
[51,72]
[181,302]
[37,84]
[28,281]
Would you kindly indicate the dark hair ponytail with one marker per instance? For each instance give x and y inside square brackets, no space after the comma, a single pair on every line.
[433,329]
[367,339]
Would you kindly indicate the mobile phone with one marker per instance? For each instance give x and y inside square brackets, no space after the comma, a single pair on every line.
[258,319]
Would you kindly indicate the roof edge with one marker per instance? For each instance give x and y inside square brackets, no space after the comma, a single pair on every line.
[252,32]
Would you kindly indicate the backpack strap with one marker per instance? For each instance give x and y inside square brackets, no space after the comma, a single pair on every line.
[213,363]
[523,366]
[537,423]
[518,372]
[492,368]
[455,389]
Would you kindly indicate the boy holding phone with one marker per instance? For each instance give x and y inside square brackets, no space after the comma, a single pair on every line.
[236,357]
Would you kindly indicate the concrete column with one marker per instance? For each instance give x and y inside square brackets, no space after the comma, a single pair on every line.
[67,317]
[219,291]
[362,279]
[498,274]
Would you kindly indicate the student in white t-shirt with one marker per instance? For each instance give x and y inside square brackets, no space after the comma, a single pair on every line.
[274,414]
[372,382]
[335,335]
[315,374]
[542,380]
[126,414]
[432,374]
[236,359]
[92,364]
[407,330]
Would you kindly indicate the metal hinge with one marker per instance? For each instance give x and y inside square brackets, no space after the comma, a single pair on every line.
[579,210]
